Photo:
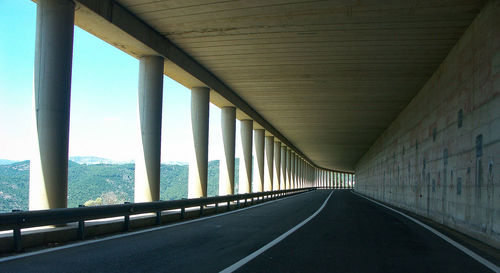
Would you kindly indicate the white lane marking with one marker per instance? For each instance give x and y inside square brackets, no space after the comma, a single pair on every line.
[5,259]
[250,257]
[467,251]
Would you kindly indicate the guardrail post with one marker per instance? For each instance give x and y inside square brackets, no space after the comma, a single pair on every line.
[158,218]
[17,240]
[251,203]
[228,205]
[16,232]
[126,220]
[81,227]
[183,211]
[201,210]
[216,207]
[246,202]
[238,203]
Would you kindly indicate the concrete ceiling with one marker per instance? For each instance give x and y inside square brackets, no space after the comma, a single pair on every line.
[329,75]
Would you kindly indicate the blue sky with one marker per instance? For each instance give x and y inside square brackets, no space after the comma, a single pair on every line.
[103,97]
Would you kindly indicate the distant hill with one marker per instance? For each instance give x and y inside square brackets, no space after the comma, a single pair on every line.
[90,160]
[6,162]
[113,183]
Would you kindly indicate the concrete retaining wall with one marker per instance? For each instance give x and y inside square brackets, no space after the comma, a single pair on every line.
[441,157]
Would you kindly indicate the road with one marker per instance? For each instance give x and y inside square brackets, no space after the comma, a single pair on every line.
[350,234]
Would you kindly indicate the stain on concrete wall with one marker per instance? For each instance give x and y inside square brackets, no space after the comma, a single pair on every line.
[439,157]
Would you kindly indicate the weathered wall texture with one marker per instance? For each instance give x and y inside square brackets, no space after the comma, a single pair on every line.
[441,157]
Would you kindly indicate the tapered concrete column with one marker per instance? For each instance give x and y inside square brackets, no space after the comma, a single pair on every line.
[258,174]
[299,170]
[200,98]
[283,168]
[288,170]
[268,163]
[296,182]
[48,186]
[226,168]
[315,177]
[245,182]
[277,164]
[147,162]
[293,171]
[302,173]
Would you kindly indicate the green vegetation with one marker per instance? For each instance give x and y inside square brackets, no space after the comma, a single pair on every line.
[101,184]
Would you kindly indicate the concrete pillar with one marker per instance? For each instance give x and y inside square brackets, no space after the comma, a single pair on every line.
[200,99]
[283,169]
[293,171]
[48,185]
[258,175]
[299,172]
[226,167]
[277,164]
[296,171]
[245,178]
[147,162]
[268,163]
[288,170]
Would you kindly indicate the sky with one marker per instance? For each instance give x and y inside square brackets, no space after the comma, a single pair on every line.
[104,87]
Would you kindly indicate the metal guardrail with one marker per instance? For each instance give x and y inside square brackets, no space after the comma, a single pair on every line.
[25,219]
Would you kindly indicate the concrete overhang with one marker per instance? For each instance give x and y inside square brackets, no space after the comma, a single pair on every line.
[325,77]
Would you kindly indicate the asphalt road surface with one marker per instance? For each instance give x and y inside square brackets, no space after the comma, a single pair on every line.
[350,234]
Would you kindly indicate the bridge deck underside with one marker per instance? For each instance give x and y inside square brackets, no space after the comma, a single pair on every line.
[329,75]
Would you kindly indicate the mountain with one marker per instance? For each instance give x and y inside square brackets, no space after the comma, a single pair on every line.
[90,160]
[6,162]
[111,183]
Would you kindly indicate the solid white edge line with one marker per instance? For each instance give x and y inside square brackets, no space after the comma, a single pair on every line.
[250,257]
[467,251]
[9,258]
